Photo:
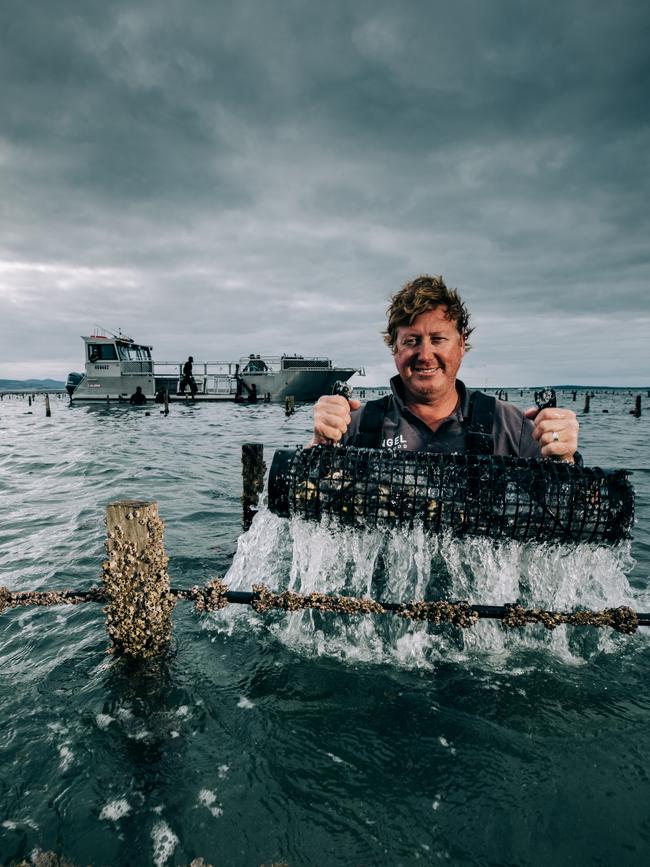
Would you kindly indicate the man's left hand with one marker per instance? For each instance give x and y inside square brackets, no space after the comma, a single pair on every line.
[556,431]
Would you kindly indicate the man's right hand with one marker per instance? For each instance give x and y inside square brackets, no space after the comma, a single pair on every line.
[331,419]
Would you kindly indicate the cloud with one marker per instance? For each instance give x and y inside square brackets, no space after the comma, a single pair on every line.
[222,177]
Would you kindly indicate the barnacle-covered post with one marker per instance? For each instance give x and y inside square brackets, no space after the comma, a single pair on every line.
[253,469]
[48,411]
[139,612]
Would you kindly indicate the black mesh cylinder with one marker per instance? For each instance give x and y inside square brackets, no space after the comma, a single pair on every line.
[499,497]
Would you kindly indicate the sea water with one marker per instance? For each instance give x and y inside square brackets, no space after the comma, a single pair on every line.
[307,738]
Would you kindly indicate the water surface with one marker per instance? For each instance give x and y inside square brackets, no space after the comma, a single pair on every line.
[304,739]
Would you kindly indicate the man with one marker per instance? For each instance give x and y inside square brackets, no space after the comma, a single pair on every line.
[137,398]
[429,408]
[188,378]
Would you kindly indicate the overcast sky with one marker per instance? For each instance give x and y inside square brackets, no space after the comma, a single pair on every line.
[219,178]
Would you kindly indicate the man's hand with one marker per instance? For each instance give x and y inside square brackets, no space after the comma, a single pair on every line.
[556,431]
[331,419]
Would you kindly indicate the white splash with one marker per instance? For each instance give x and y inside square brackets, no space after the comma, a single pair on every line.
[245,703]
[399,565]
[103,720]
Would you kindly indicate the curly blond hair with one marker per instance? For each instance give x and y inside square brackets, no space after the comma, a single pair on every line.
[422,294]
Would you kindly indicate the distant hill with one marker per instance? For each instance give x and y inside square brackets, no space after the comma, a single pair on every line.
[31,384]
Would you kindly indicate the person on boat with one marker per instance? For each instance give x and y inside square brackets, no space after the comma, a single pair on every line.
[137,398]
[188,378]
[429,409]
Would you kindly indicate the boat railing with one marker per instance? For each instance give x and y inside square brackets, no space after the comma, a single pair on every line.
[260,364]
[211,377]
[201,368]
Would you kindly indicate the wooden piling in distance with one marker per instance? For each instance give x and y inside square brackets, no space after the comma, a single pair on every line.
[139,612]
[166,400]
[587,399]
[289,405]
[48,411]
[29,400]
[253,469]
[636,412]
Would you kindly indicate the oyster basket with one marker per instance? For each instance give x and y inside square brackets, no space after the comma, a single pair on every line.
[468,495]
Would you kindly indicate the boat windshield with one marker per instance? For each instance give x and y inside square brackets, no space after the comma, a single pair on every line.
[101,352]
[131,352]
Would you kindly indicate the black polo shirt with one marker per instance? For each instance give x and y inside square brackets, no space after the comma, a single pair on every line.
[402,429]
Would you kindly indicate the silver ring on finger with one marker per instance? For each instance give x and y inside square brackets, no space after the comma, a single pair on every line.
[555,436]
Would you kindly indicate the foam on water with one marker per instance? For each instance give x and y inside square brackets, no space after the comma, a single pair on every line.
[400,565]
[115,810]
[208,799]
[164,843]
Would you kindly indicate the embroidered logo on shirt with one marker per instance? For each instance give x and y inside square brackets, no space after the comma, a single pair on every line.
[398,442]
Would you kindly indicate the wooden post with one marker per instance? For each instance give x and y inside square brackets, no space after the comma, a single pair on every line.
[289,405]
[575,393]
[587,398]
[166,399]
[139,612]
[636,412]
[48,411]
[29,400]
[253,469]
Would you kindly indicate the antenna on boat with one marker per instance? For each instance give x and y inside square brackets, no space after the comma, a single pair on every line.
[117,336]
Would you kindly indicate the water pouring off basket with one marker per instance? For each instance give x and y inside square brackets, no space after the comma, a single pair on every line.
[523,499]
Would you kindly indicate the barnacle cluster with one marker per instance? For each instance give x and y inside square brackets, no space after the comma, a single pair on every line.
[622,619]
[212,597]
[290,601]
[459,613]
[135,577]
[49,597]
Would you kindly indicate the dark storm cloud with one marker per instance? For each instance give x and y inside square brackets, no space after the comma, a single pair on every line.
[233,177]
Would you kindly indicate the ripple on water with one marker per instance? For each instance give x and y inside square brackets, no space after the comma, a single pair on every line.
[360,741]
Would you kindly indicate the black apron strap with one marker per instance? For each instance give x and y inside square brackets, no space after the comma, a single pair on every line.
[479,424]
[371,426]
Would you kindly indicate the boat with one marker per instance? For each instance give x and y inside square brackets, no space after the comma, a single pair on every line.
[115,365]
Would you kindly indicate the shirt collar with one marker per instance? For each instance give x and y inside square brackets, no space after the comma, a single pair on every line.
[459,413]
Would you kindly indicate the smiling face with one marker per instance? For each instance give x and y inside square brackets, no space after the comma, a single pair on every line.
[427,355]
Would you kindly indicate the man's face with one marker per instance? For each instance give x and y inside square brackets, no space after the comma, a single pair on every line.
[428,354]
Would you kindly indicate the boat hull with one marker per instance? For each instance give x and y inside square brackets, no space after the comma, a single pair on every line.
[302,385]
[112,388]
